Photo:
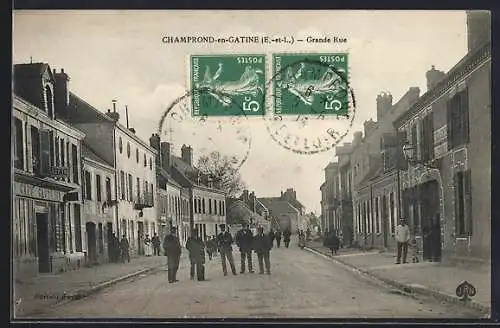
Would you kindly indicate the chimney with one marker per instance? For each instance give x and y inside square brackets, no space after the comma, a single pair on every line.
[384,104]
[61,94]
[251,200]
[478,28]
[358,136]
[433,77]
[165,154]
[245,197]
[154,142]
[368,125]
[114,115]
[187,154]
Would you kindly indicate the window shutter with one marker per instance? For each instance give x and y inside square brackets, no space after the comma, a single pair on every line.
[457,205]
[468,202]
[449,124]
[465,113]
[44,153]
[400,157]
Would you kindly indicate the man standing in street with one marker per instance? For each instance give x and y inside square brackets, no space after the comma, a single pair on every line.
[224,242]
[402,238]
[124,247]
[196,249]
[156,244]
[286,237]
[278,238]
[172,248]
[244,239]
[262,246]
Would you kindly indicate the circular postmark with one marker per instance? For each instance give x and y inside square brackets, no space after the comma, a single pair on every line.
[229,135]
[312,101]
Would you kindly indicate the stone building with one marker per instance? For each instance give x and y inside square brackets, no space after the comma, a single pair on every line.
[344,209]
[284,211]
[47,177]
[449,129]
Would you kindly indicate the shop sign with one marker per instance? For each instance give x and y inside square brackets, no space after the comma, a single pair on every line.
[26,190]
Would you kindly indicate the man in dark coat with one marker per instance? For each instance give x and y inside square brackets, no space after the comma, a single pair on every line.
[224,242]
[172,248]
[262,246]
[277,235]
[114,251]
[272,236]
[333,242]
[124,247]
[156,244]
[210,247]
[196,249]
[286,237]
[244,239]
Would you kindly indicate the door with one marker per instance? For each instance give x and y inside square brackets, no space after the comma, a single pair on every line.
[100,242]
[91,242]
[42,239]
[431,229]
[385,220]
[140,238]
[109,232]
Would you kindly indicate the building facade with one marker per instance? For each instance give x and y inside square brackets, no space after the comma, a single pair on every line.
[450,131]
[46,217]
[98,207]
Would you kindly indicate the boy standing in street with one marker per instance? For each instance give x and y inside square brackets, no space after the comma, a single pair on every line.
[402,238]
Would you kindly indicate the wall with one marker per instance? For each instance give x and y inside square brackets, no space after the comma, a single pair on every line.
[210,220]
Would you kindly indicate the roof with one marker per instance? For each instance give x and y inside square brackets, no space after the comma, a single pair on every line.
[238,211]
[375,170]
[85,112]
[277,205]
[187,175]
[30,70]
[164,174]
[89,153]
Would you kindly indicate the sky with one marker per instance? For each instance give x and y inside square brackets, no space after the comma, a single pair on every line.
[119,55]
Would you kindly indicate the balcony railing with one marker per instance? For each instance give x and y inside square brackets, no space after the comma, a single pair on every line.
[144,200]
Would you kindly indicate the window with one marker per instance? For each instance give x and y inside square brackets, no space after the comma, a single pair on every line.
[137,155]
[122,184]
[215,206]
[120,145]
[98,187]
[427,134]
[88,186]
[463,208]
[414,140]
[223,208]
[458,119]
[209,206]
[145,161]
[63,162]
[128,149]
[377,215]
[50,101]
[74,159]
[138,189]
[108,189]
[152,193]
[78,228]
[130,187]
[19,149]
[150,164]
[195,206]
[199,206]
[203,205]
[57,152]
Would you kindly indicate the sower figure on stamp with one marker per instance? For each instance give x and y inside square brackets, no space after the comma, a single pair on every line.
[224,242]
[172,248]
[402,238]
[262,246]
[244,239]
[196,249]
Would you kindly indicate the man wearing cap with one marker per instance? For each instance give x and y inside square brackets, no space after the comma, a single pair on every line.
[244,239]
[196,248]
[402,237]
[262,246]
[225,241]
[172,248]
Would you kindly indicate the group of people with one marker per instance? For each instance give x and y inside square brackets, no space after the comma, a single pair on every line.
[152,245]
[118,249]
[277,235]
[247,242]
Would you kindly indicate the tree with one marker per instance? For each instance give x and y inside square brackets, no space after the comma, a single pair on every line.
[223,172]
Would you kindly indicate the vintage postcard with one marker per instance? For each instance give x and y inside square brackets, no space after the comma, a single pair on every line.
[251,164]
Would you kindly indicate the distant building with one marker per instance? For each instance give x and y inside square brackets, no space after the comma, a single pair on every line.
[47,177]
[284,211]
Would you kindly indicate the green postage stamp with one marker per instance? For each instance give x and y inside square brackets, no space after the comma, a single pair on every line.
[228,85]
[310,84]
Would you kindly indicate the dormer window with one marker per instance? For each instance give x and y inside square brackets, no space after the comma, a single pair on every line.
[49,101]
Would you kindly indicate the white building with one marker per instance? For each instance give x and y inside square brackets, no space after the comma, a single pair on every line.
[46,221]
[98,206]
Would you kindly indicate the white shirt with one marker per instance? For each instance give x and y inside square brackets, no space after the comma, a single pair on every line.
[402,233]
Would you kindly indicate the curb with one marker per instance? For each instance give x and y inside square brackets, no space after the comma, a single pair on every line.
[411,289]
[83,293]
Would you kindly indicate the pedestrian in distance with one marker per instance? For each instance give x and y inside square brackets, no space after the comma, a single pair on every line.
[308,234]
[333,242]
[124,248]
[196,249]
[210,247]
[114,252]
[402,238]
[302,239]
[244,239]
[278,238]
[272,236]
[148,246]
[286,237]
[156,244]
[224,242]
[172,249]
[262,246]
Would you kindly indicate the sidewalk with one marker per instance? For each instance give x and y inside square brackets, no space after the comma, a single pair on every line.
[429,278]
[35,294]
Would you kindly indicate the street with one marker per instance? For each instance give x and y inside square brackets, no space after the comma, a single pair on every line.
[302,284]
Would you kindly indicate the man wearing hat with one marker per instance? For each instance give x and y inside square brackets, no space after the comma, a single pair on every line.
[402,237]
[196,248]
[262,246]
[172,248]
[225,241]
[244,239]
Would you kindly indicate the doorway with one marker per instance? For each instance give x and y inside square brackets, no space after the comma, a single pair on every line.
[42,239]
[109,233]
[140,238]
[91,242]
[430,220]
[385,221]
